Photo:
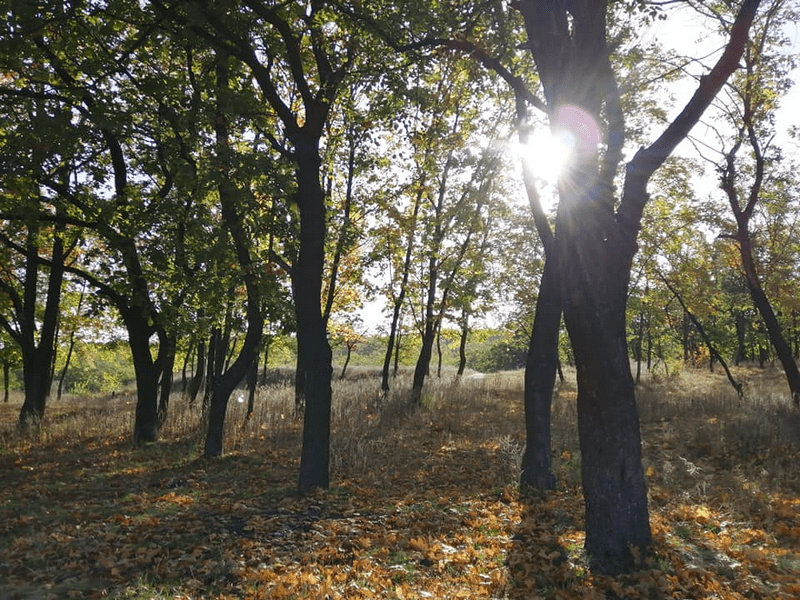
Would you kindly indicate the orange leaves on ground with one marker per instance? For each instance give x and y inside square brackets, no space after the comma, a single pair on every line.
[430,519]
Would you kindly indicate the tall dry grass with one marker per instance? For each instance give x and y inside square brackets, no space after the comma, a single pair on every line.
[688,417]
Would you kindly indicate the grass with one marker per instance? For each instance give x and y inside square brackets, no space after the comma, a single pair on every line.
[424,502]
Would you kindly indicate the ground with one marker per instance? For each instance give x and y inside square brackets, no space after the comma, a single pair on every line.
[424,504]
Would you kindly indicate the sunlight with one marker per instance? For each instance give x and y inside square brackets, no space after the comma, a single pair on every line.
[547,154]
[549,150]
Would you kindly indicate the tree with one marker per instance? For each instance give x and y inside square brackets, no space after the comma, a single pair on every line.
[315,52]
[113,185]
[456,195]
[35,231]
[595,244]
[230,196]
[753,102]
[9,357]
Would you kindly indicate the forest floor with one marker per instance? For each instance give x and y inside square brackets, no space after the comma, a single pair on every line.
[422,504]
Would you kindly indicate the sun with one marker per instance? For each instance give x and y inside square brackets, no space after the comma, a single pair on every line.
[547,154]
[550,150]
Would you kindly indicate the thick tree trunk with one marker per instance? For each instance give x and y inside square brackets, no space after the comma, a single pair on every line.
[540,377]
[595,284]
[146,423]
[38,359]
[314,351]
[37,389]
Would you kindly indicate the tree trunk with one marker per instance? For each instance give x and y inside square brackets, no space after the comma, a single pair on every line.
[429,331]
[462,344]
[397,353]
[6,378]
[639,347]
[67,360]
[423,361]
[252,383]
[229,195]
[782,348]
[438,352]
[197,379]
[540,377]
[37,365]
[314,351]
[166,362]
[595,283]
[401,294]
[346,361]
[211,369]
[146,424]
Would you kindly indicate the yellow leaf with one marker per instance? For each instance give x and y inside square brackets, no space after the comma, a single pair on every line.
[418,544]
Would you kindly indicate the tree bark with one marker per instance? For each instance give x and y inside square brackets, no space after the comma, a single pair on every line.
[314,351]
[541,363]
[462,343]
[37,365]
[146,423]
[346,361]
[6,380]
[540,377]
[166,364]
[742,237]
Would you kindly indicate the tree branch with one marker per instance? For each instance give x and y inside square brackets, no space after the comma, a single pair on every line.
[647,160]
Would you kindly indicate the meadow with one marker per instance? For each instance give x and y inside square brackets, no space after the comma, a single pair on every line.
[424,503]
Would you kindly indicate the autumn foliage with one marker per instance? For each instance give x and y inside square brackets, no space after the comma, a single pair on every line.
[424,503]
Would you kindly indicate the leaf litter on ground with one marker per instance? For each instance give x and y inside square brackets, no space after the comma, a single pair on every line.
[431,512]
